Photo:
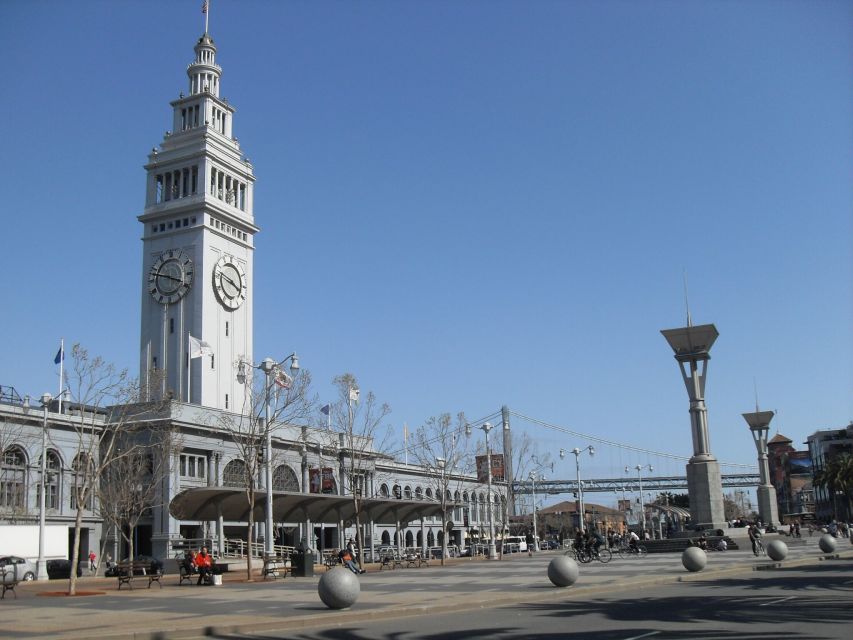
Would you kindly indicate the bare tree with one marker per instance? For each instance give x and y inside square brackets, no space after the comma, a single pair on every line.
[131,482]
[359,421]
[104,405]
[278,397]
[442,448]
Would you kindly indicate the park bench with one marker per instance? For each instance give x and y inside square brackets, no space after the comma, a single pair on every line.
[275,565]
[331,558]
[390,561]
[10,581]
[127,572]
[416,560]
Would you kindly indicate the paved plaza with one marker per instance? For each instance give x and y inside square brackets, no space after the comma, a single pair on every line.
[292,604]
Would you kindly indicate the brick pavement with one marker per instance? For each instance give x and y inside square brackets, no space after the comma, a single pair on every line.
[292,603]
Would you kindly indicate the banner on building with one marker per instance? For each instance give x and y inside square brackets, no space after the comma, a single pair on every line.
[497,468]
[321,480]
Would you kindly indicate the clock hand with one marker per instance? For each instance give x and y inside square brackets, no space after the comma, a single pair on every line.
[224,277]
[163,275]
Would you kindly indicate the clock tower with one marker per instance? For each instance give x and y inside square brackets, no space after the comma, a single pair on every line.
[198,241]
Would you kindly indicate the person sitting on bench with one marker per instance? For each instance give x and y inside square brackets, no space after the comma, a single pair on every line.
[204,565]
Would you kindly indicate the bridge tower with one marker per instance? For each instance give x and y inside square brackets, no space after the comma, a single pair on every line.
[692,346]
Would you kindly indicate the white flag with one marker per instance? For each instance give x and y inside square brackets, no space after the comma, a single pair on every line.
[199,348]
[353,395]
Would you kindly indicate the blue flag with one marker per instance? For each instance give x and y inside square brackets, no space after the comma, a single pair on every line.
[325,409]
[60,356]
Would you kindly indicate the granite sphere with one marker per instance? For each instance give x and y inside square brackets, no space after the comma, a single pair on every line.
[563,571]
[827,543]
[777,550]
[339,588]
[694,559]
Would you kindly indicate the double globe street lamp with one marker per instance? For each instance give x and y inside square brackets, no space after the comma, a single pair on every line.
[578,453]
[639,468]
[274,375]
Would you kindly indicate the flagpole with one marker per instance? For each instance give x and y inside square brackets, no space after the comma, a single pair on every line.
[61,362]
[206,7]
[189,368]
[406,442]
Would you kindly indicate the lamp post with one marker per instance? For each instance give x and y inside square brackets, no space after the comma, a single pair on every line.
[42,566]
[578,453]
[493,552]
[533,478]
[274,374]
[639,469]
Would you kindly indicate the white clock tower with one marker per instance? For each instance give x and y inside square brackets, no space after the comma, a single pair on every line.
[198,241]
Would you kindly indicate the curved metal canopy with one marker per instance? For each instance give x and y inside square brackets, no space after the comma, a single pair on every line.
[209,503]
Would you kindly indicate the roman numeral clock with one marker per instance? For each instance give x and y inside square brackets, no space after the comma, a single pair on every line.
[170,277]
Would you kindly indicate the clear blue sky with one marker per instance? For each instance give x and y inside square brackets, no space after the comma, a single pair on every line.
[466,204]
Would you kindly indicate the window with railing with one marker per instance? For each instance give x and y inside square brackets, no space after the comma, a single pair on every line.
[13,479]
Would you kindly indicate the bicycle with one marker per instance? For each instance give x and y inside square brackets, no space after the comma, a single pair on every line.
[639,551]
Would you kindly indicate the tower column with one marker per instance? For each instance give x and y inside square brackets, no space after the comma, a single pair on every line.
[759,425]
[692,345]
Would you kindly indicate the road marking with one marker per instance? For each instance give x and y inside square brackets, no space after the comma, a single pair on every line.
[645,635]
[764,604]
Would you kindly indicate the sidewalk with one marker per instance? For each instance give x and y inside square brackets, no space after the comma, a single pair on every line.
[292,603]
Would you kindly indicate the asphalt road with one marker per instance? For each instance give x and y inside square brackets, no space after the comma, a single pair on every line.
[814,602]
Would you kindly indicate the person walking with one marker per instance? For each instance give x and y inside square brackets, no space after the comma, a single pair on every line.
[530,544]
[92,566]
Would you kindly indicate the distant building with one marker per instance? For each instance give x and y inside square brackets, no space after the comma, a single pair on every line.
[791,476]
[823,446]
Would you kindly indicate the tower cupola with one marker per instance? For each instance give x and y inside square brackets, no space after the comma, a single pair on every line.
[203,72]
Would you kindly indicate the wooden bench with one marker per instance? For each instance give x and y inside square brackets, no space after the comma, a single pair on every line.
[127,572]
[416,560]
[390,561]
[331,558]
[275,565]
[186,571]
[10,581]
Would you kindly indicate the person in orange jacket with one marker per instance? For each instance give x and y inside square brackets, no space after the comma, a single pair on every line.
[203,562]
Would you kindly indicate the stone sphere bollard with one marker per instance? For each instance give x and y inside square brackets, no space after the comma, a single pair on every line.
[777,550]
[694,559]
[339,588]
[563,571]
[827,543]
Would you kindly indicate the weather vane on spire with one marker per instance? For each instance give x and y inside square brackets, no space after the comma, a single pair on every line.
[205,9]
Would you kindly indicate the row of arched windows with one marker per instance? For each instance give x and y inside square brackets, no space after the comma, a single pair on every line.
[14,478]
[283,477]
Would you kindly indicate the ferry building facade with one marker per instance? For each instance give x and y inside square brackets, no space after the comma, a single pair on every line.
[197,294]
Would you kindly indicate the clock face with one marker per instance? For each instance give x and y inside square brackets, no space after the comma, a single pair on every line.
[229,282]
[170,277]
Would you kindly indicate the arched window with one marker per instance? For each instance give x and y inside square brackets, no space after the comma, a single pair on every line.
[383,491]
[407,494]
[284,479]
[398,492]
[410,539]
[83,468]
[386,537]
[429,494]
[13,478]
[430,539]
[53,465]
[419,493]
[234,474]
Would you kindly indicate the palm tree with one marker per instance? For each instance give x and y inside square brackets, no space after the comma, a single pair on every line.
[837,476]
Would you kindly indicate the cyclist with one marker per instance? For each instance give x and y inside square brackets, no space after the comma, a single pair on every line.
[633,539]
[754,537]
[596,540]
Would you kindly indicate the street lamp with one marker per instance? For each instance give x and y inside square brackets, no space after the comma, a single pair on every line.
[274,374]
[639,469]
[533,477]
[42,566]
[486,427]
[578,453]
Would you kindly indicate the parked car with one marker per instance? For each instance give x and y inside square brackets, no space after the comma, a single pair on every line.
[20,568]
[61,569]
